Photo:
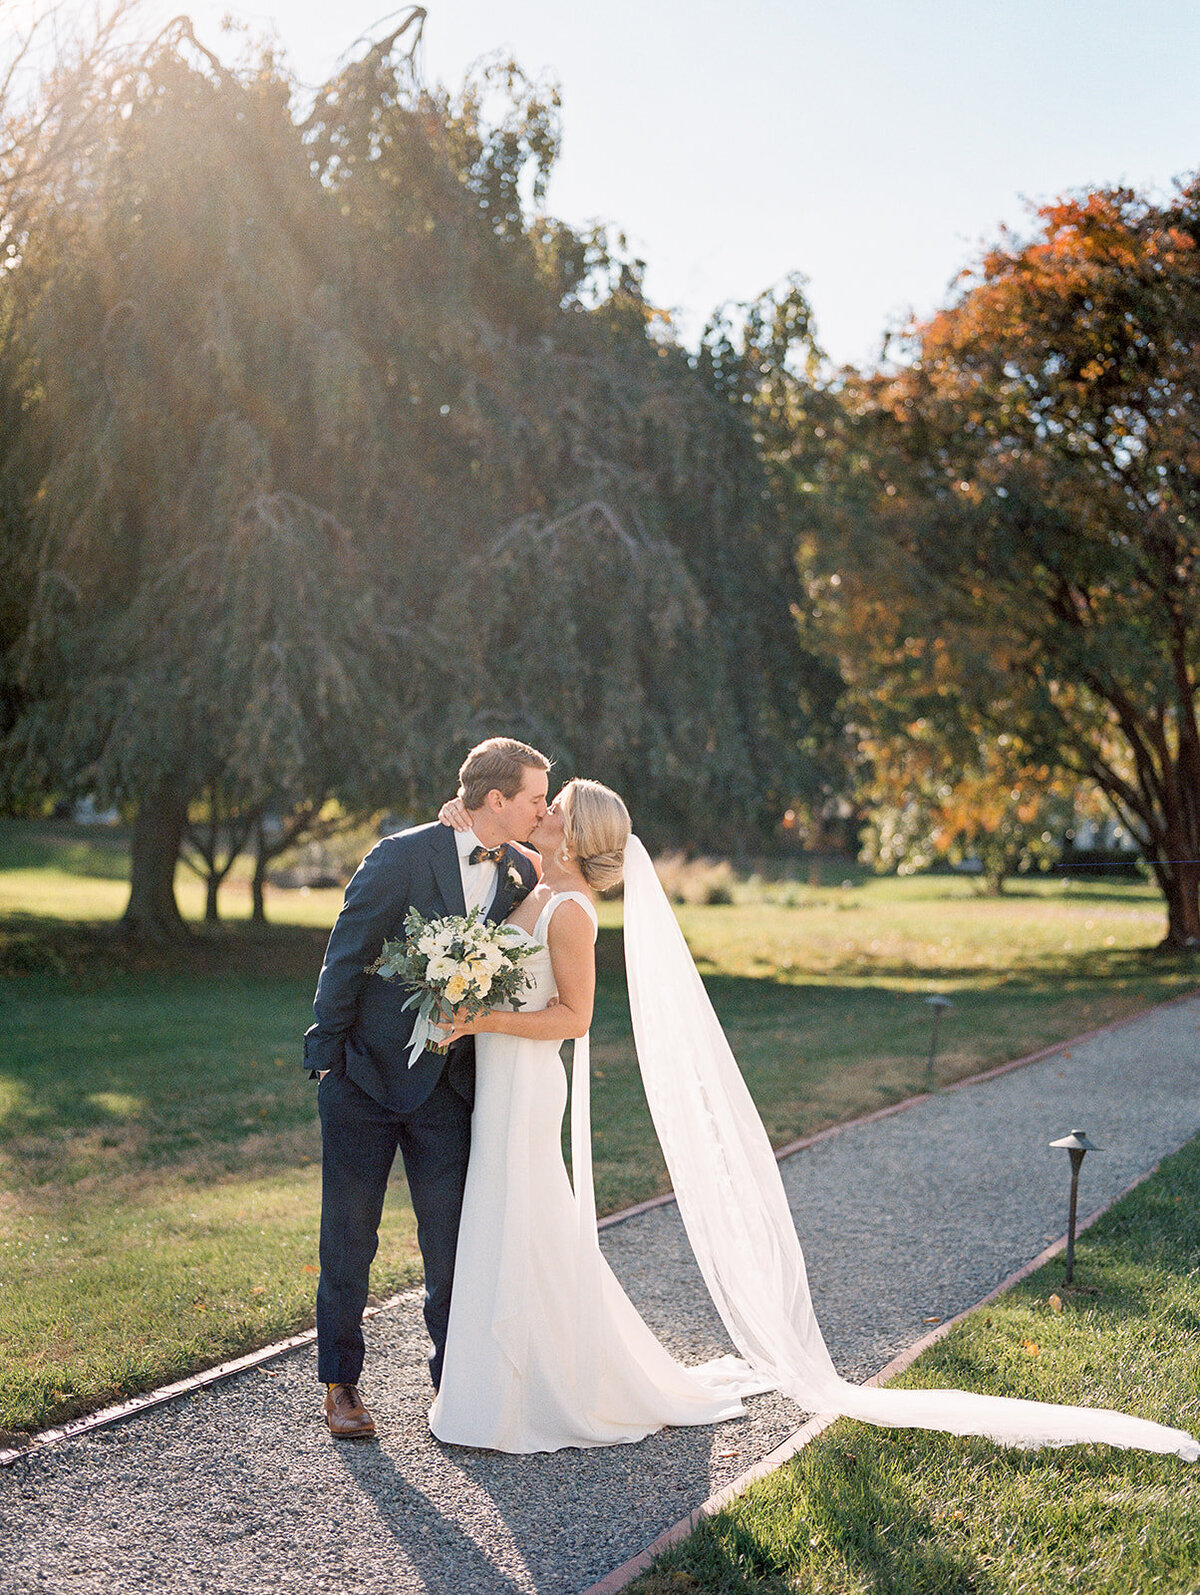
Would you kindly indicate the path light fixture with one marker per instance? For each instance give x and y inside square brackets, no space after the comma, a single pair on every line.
[1077,1144]
[939,1004]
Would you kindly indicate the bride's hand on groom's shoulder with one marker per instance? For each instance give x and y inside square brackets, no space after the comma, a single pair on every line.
[454,813]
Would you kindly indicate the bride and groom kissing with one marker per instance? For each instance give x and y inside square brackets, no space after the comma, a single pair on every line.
[535,1346]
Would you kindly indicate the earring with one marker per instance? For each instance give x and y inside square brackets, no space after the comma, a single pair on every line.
[564,858]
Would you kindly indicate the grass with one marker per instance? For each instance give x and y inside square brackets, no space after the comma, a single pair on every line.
[862,1511]
[158,1142]
[160,1171]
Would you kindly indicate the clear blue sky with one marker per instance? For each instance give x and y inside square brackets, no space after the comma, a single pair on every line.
[870,144]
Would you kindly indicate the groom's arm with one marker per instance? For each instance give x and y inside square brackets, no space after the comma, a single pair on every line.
[374,903]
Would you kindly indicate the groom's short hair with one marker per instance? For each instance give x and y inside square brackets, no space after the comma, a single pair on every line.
[499,765]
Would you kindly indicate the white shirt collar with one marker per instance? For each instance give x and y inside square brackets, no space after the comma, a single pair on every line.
[465,841]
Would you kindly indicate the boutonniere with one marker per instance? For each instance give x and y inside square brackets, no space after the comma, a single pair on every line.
[517,883]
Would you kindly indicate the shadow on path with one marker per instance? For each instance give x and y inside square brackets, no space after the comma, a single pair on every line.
[428,1538]
[615,1496]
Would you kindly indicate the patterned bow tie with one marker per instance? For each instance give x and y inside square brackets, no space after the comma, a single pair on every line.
[485,855]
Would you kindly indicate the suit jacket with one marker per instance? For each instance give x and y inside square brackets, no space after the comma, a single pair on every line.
[361,1027]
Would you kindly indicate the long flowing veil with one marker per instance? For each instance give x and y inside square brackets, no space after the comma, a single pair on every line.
[735,1210]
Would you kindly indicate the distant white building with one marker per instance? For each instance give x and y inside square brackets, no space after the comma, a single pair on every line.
[86,812]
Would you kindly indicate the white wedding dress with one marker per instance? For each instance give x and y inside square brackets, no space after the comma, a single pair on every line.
[544,1349]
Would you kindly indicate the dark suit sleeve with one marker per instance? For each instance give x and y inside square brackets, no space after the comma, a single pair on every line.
[373,910]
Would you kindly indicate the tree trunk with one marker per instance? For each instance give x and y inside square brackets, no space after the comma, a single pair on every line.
[1181,887]
[157,837]
[258,892]
[212,884]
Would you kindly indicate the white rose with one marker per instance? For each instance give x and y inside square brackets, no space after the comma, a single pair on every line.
[440,968]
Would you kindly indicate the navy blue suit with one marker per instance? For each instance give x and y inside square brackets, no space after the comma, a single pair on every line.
[372,1103]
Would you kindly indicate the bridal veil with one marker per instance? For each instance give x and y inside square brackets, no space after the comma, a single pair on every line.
[735,1210]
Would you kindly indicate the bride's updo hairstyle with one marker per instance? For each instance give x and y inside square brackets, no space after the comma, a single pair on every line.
[596,826]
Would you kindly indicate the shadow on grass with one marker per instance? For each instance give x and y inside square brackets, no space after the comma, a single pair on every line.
[99,951]
[1111,966]
[837,1519]
[91,850]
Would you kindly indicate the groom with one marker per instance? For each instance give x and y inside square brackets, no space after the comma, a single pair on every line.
[370,1101]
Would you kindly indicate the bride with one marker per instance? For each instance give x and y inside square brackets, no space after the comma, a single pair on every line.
[544,1348]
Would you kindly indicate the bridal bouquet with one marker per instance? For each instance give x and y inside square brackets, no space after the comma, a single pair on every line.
[456,962]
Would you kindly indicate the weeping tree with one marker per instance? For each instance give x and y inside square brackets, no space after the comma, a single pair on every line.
[555,420]
[200,611]
[59,83]
[594,643]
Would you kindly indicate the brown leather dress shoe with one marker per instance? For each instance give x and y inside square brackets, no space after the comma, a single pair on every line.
[348,1419]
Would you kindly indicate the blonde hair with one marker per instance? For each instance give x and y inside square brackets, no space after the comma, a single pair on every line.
[596,826]
[497,765]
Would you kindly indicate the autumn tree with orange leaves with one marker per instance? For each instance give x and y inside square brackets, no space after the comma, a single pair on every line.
[1009,518]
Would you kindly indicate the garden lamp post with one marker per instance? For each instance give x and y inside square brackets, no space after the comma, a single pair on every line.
[1077,1144]
[939,1004]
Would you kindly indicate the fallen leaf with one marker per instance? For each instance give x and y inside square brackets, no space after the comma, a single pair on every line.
[1056,1303]
[257,1290]
[931,1320]
[310,1268]
[1030,1346]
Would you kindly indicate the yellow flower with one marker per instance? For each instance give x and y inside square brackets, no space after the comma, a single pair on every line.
[456,989]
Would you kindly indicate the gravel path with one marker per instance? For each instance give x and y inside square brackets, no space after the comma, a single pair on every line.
[239,1489]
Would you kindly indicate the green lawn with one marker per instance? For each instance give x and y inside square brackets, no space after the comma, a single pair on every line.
[863,1510]
[158,1142]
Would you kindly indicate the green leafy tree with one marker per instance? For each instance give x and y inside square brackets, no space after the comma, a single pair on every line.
[200,610]
[554,417]
[978,805]
[59,83]
[1010,517]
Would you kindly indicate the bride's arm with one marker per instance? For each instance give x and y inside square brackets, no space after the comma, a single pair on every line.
[573,957]
[453,813]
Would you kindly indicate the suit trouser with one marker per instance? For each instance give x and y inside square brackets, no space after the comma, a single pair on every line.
[359,1139]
